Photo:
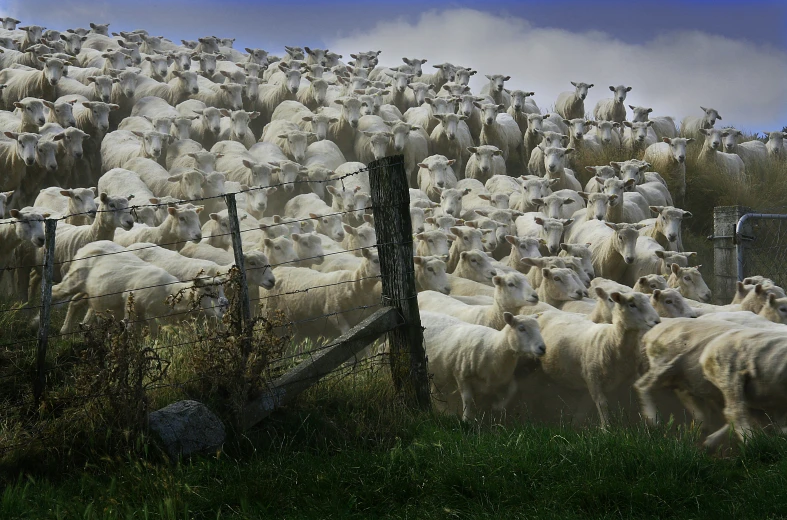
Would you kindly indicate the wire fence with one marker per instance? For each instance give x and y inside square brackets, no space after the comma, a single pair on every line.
[762,245]
[107,296]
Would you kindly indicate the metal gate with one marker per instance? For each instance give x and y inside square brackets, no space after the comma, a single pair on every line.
[762,246]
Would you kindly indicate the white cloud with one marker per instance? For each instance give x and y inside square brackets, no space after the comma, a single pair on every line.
[674,74]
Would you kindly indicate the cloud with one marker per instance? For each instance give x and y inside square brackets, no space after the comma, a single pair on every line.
[674,73]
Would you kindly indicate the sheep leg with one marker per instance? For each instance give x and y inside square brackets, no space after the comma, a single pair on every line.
[468,402]
[656,377]
[715,439]
[502,403]
[74,307]
[597,394]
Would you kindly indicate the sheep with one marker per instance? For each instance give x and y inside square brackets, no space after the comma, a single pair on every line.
[287,171]
[571,105]
[623,206]
[41,84]
[121,146]
[10,23]
[649,283]
[477,362]
[224,95]
[549,139]
[272,95]
[537,225]
[297,113]
[61,113]
[181,226]
[523,193]
[329,293]
[412,141]
[599,357]
[239,165]
[501,130]
[666,227]
[578,140]
[669,303]
[435,174]
[581,251]
[612,109]
[596,208]
[607,133]
[747,366]
[90,286]
[187,153]
[663,126]
[289,137]
[637,136]
[310,206]
[688,280]
[323,158]
[753,153]
[185,184]
[17,154]
[691,125]
[77,204]
[521,107]
[613,246]
[520,248]
[175,91]
[25,225]
[28,116]
[123,94]
[553,164]
[425,115]
[775,145]
[452,138]
[236,128]
[559,285]
[430,274]
[205,130]
[372,139]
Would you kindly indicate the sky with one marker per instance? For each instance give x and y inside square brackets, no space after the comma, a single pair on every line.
[676,56]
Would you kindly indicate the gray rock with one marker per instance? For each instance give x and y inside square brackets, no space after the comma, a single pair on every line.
[187,427]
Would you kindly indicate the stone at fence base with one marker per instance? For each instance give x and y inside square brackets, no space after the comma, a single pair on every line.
[187,427]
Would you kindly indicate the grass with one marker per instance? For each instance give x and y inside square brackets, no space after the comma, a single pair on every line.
[349,450]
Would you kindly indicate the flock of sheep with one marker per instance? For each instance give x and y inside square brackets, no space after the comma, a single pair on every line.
[130,140]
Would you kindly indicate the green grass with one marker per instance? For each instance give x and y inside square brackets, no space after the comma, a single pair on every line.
[350,451]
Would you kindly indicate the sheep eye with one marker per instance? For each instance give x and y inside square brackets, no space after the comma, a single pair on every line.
[557,279]
[430,269]
[633,305]
[277,248]
[510,285]
[783,309]
[687,278]
[668,302]
[522,329]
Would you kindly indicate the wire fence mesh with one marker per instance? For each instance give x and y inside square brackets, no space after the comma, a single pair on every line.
[762,245]
[181,336]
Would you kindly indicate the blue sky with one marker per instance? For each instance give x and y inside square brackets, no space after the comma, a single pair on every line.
[676,55]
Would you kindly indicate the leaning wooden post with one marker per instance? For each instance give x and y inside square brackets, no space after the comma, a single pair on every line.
[244,322]
[50,228]
[725,255]
[391,207]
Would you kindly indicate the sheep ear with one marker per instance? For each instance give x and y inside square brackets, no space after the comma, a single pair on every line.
[509,318]
[656,294]
[497,280]
[675,268]
[617,297]
[601,293]
[660,254]
[656,209]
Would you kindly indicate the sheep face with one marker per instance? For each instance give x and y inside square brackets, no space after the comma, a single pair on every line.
[625,240]
[562,284]
[34,33]
[343,199]
[436,241]
[451,201]
[670,219]
[154,143]
[128,82]
[513,290]
[25,146]
[525,335]
[186,223]
[319,89]
[117,59]
[775,309]
[450,124]
[258,269]
[401,135]
[634,311]
[614,188]
[419,92]
[99,113]
[102,87]
[581,251]
[204,161]
[467,238]
[485,155]
[535,123]
[553,139]
[159,64]
[9,44]
[526,247]
[53,69]
[64,114]
[731,138]
[32,111]
[239,123]
[575,264]
[415,65]
[257,200]
[674,257]
[100,28]
[551,205]
[189,184]
[518,98]
[351,110]
[213,184]
[260,172]
[45,155]
[628,170]
[360,237]
[689,281]
[444,223]
[288,173]
[330,225]
[535,188]
[477,265]
[188,81]
[207,62]
[439,170]
[430,274]
[497,82]
[211,119]
[640,114]
[710,117]
[181,127]
[279,250]
[677,148]
[234,95]
[552,232]
[669,303]
[29,225]
[620,93]
[417,219]
[639,131]
[489,112]
[379,143]
[553,158]
[10,23]
[649,283]
[581,89]
[605,129]
[466,104]
[116,212]
[131,50]
[73,42]
[597,205]
[308,248]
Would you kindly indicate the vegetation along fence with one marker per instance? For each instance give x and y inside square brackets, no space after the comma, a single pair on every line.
[219,324]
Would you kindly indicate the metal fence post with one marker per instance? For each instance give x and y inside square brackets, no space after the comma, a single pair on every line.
[391,207]
[725,257]
[50,228]
[237,249]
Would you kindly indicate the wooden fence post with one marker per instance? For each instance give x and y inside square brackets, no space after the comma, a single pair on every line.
[50,227]
[725,257]
[391,206]
[237,249]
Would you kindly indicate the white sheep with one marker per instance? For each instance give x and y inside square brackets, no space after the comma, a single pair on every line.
[181,225]
[430,274]
[25,225]
[224,95]
[236,127]
[452,138]
[310,206]
[548,139]
[77,204]
[372,140]
[121,146]
[775,145]
[41,84]
[688,280]
[753,153]
[289,137]
[554,165]
[669,159]
[691,125]
[663,126]
[613,246]
[271,95]
[571,105]
[424,115]
[638,136]
[17,154]
[175,91]
[612,109]
[205,129]
[436,174]
[539,226]
[607,133]
[473,362]
[595,357]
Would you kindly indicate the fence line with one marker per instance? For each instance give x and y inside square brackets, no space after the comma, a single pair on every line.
[397,239]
